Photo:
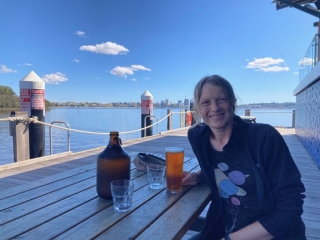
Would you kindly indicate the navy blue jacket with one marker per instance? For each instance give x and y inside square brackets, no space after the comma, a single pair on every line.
[278,180]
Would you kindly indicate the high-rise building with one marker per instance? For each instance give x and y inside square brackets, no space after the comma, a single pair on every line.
[167,102]
[186,102]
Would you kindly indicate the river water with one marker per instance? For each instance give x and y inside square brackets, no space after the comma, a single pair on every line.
[104,120]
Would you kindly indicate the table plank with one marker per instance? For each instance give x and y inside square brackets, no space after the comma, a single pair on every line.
[39,217]
[43,181]
[95,225]
[45,189]
[20,210]
[180,216]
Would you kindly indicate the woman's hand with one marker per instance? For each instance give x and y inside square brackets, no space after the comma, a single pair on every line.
[191,178]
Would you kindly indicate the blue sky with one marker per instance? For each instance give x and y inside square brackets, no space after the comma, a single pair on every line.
[112,51]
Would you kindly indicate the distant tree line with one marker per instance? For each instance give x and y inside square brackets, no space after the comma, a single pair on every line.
[10,101]
[8,98]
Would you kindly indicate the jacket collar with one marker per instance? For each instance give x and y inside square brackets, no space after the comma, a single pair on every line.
[239,131]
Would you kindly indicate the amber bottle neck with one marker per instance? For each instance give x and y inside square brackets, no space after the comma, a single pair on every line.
[114,139]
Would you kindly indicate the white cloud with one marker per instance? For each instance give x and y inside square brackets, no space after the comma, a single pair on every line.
[305,61]
[296,73]
[5,69]
[25,64]
[133,80]
[108,48]
[267,64]
[274,69]
[140,67]
[81,34]
[124,71]
[264,62]
[76,60]
[55,78]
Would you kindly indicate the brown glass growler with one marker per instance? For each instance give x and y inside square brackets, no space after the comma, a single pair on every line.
[113,163]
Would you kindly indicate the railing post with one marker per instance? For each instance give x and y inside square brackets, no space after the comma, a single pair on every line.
[193,121]
[293,118]
[169,121]
[247,112]
[181,118]
[20,132]
[185,117]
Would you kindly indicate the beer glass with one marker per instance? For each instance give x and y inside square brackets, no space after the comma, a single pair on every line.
[174,168]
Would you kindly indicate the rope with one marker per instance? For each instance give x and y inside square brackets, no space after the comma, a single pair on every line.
[11,119]
[35,120]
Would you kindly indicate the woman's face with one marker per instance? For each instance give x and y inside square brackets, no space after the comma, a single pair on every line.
[215,108]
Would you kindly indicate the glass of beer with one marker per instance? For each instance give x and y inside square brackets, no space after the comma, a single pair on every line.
[174,168]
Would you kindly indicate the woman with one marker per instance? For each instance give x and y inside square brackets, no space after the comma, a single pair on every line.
[255,184]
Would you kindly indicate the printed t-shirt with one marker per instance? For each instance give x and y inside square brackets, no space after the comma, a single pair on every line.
[237,187]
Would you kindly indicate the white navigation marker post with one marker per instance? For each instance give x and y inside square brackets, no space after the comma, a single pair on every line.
[32,100]
[146,113]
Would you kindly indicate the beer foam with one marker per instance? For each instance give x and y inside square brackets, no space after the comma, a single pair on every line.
[174,149]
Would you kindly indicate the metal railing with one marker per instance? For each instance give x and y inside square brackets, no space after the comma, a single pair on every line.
[276,118]
[310,59]
[50,134]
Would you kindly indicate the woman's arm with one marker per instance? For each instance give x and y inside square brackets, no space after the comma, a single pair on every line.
[192,178]
[253,231]
[283,178]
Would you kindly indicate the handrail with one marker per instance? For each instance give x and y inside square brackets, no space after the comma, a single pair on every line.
[310,58]
[50,135]
[145,123]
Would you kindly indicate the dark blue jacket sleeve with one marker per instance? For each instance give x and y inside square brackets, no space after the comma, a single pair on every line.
[283,180]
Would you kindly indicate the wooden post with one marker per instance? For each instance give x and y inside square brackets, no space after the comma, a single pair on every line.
[20,133]
[293,118]
[169,122]
[247,112]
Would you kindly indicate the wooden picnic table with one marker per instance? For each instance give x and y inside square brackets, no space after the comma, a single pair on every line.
[66,206]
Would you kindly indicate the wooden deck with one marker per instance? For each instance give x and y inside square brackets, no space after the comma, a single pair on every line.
[14,176]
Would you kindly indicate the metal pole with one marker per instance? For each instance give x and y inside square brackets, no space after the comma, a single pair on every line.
[293,118]
[181,118]
[193,121]
[185,117]
[169,121]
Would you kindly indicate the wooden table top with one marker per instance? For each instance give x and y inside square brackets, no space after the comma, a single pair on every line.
[66,206]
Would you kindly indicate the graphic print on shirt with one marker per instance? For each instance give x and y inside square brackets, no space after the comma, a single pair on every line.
[229,188]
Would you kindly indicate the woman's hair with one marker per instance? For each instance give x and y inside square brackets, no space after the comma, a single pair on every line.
[218,81]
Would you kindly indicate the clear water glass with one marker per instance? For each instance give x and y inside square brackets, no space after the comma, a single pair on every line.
[122,192]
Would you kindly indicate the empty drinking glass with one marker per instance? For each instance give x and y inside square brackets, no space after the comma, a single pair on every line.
[122,191]
[156,176]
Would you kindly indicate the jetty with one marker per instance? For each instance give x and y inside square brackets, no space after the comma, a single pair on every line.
[17,176]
